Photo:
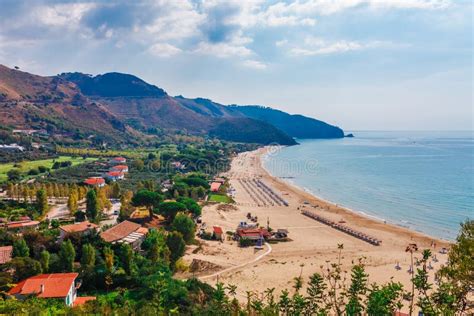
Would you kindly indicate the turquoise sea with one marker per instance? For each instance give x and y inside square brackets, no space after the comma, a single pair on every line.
[420,180]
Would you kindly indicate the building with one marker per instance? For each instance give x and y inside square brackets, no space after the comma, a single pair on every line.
[55,285]
[95,181]
[118,160]
[126,232]
[215,186]
[12,147]
[6,254]
[252,233]
[121,168]
[22,224]
[114,175]
[140,215]
[82,228]
[218,232]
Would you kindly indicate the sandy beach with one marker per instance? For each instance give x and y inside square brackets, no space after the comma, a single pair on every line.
[312,243]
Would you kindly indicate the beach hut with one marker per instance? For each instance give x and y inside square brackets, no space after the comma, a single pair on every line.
[218,233]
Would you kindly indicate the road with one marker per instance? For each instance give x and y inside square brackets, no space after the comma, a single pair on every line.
[112,213]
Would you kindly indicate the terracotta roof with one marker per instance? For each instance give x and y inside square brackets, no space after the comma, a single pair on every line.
[142,230]
[82,300]
[5,254]
[94,181]
[115,174]
[54,285]
[215,186]
[120,167]
[22,224]
[218,230]
[78,227]
[121,159]
[119,231]
[253,232]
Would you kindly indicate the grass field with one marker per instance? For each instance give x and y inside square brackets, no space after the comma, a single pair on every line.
[219,198]
[48,163]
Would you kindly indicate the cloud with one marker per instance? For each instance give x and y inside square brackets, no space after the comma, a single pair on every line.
[255,64]
[319,46]
[164,50]
[222,50]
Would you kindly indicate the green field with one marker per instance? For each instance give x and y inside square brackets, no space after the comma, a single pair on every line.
[26,166]
[219,198]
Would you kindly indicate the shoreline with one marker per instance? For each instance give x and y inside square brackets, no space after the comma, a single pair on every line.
[261,156]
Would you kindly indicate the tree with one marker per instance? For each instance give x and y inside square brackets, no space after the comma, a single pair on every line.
[88,257]
[20,248]
[191,205]
[44,260]
[24,267]
[14,175]
[67,254]
[92,206]
[72,202]
[127,257]
[116,190]
[170,209]
[184,225]
[176,245]
[138,164]
[42,201]
[146,198]
[155,246]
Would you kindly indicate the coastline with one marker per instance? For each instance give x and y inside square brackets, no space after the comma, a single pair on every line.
[312,244]
[340,209]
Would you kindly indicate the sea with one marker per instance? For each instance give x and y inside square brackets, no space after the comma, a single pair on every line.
[423,181]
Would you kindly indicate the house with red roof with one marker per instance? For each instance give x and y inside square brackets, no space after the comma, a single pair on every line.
[215,186]
[114,175]
[6,254]
[126,232]
[23,224]
[118,160]
[218,232]
[252,233]
[95,181]
[81,228]
[121,168]
[55,285]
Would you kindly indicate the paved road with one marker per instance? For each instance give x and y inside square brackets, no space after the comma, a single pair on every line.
[113,217]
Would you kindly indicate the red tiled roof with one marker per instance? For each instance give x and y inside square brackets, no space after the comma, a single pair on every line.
[22,224]
[119,159]
[5,254]
[215,186]
[119,231]
[218,230]
[54,285]
[120,167]
[253,232]
[94,181]
[82,300]
[115,174]
[78,227]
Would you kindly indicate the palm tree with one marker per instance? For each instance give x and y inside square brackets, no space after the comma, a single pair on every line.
[411,248]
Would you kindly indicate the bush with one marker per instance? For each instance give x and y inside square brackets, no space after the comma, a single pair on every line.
[245,242]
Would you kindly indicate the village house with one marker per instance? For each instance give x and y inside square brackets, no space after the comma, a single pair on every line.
[95,182]
[114,175]
[120,168]
[253,234]
[215,186]
[24,223]
[118,160]
[218,233]
[6,254]
[82,228]
[55,285]
[126,232]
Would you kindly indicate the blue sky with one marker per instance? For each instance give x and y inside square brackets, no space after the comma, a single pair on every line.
[360,64]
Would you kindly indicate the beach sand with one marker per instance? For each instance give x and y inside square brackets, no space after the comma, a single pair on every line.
[313,243]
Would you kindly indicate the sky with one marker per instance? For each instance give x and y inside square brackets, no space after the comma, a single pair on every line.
[359,64]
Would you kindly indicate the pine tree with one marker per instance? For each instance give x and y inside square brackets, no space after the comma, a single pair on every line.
[20,248]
